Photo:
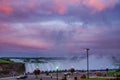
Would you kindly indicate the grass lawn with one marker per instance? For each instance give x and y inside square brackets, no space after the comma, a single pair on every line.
[95,79]
[112,73]
[4,61]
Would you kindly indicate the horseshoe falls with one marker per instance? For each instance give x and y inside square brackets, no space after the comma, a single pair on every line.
[78,63]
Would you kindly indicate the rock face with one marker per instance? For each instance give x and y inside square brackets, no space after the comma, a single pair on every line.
[11,69]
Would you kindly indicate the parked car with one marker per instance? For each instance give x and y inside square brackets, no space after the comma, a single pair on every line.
[22,77]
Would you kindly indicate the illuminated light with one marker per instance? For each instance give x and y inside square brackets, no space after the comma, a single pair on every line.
[37,67]
[57,67]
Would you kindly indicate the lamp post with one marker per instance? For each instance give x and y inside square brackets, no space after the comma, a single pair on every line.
[87,50]
[57,72]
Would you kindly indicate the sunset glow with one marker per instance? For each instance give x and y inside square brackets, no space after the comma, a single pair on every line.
[59,27]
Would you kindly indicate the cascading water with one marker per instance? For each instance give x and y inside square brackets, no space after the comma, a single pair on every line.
[77,63]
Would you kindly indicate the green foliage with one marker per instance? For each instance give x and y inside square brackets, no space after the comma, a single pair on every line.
[64,78]
[118,70]
[114,73]
[40,78]
[37,72]
[6,60]
[72,70]
[83,76]
[5,72]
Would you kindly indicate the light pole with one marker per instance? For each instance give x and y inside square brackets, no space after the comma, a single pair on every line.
[57,72]
[87,50]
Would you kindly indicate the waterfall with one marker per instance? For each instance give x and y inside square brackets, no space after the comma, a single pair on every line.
[77,63]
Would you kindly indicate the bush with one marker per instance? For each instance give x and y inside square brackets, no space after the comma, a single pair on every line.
[100,74]
[118,70]
[83,76]
[64,78]
[72,70]
[40,78]
[113,79]
[118,75]
[37,72]
[5,72]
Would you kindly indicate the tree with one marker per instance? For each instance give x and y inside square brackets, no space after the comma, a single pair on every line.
[72,70]
[37,72]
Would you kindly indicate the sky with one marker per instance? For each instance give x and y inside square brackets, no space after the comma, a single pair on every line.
[59,27]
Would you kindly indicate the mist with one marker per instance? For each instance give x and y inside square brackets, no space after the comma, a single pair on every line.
[96,62]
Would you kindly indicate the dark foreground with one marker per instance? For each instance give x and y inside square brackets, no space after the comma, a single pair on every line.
[61,75]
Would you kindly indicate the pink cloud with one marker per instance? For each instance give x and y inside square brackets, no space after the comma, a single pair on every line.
[60,7]
[6,9]
[33,4]
[99,5]
[24,44]
[74,1]
[3,28]
[72,48]
[95,5]
[19,41]
[55,6]
[20,37]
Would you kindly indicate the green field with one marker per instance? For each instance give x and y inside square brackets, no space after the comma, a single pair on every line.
[113,73]
[5,61]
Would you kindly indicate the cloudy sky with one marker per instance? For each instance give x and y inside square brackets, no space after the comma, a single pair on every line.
[59,27]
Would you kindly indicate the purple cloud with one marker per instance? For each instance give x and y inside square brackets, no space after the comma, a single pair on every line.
[62,26]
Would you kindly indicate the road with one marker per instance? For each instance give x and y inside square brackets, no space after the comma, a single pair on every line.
[43,76]
[48,77]
[33,77]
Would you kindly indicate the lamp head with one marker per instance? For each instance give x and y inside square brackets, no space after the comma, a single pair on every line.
[87,49]
[57,67]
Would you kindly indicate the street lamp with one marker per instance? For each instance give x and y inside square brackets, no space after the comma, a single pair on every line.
[87,49]
[57,72]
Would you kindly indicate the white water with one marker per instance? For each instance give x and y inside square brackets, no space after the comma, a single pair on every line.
[78,64]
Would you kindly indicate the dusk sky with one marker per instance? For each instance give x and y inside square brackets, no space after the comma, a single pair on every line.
[59,27]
